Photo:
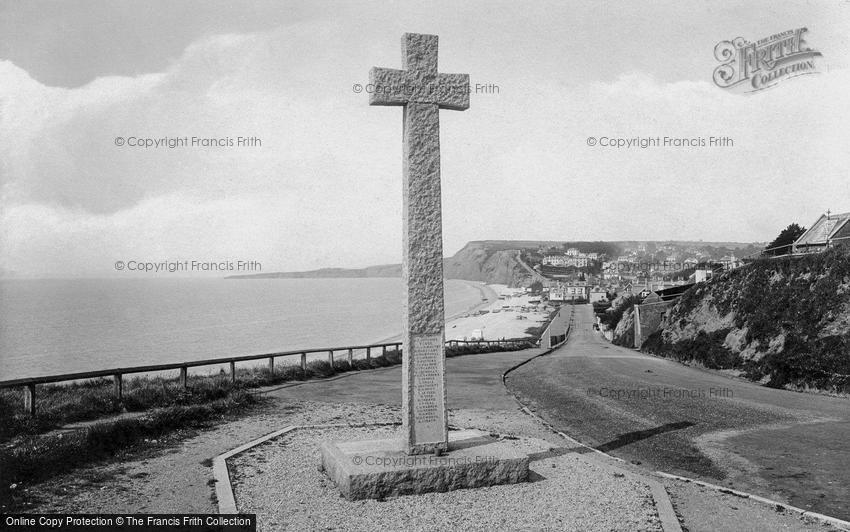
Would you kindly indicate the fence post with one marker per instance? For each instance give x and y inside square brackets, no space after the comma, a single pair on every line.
[350,355]
[29,399]
[183,375]
[304,365]
[368,354]
[271,365]
[118,386]
[232,371]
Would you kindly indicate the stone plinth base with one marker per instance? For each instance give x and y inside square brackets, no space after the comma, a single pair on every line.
[376,469]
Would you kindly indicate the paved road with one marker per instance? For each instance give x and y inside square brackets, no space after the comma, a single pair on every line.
[666,416]
[472,381]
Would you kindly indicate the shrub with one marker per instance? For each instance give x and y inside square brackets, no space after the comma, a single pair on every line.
[290,373]
[705,348]
[319,368]
[613,316]
[35,458]
[341,366]
[393,356]
[361,364]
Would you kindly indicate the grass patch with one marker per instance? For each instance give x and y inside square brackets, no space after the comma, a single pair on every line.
[34,458]
[461,350]
[59,404]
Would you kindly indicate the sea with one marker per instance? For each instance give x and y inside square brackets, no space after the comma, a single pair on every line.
[60,326]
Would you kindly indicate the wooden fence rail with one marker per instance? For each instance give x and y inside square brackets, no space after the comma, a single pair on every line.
[117,374]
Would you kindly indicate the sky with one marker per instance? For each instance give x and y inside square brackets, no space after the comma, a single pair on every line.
[324,188]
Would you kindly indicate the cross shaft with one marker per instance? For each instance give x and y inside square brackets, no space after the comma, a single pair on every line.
[423,92]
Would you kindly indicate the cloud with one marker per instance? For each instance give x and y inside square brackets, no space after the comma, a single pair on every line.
[324,187]
[543,166]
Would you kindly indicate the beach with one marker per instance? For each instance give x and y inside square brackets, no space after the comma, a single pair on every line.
[509,315]
[502,313]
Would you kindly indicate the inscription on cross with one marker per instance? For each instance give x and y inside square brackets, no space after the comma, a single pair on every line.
[423,91]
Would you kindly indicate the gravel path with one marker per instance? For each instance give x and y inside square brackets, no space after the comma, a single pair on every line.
[279,482]
[175,474]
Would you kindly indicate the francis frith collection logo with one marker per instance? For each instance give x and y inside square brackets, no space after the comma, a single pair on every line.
[749,66]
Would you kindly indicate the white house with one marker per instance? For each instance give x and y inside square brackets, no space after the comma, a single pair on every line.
[730,262]
[701,274]
[578,262]
[598,293]
[568,292]
[555,260]
[565,260]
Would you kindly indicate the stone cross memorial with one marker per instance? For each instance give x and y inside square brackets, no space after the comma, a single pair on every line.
[375,469]
[423,91]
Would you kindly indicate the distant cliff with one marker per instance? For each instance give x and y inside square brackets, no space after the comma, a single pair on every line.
[492,262]
[784,322]
[386,270]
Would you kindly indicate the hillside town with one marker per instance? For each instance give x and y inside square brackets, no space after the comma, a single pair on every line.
[596,272]
[591,276]
[642,280]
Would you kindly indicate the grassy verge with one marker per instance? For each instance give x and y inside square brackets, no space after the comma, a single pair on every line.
[61,404]
[34,458]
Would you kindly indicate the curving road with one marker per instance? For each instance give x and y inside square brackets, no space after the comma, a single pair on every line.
[670,417]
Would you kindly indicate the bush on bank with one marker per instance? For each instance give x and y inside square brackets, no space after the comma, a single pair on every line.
[783,321]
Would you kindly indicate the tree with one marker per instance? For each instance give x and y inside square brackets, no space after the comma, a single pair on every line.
[781,245]
[536,287]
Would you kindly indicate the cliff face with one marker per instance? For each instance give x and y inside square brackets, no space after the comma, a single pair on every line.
[619,319]
[785,322]
[479,262]
[624,333]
